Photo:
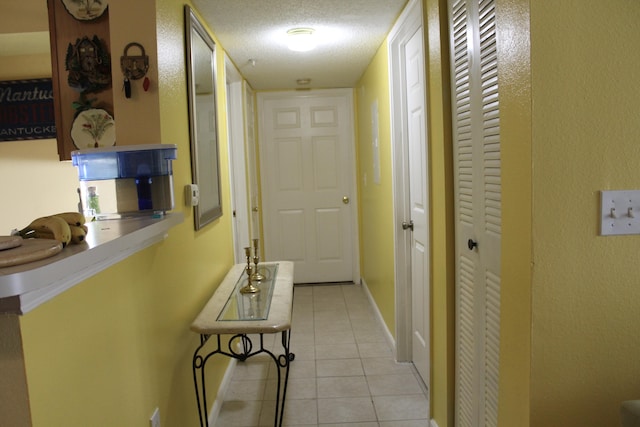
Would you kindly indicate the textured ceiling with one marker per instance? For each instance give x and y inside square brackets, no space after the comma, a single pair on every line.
[351,30]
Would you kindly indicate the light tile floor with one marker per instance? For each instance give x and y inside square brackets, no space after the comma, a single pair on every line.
[343,375]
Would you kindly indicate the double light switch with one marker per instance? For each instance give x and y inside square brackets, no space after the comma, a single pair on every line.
[620,212]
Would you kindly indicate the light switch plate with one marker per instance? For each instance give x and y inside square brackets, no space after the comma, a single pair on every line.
[620,212]
[154,421]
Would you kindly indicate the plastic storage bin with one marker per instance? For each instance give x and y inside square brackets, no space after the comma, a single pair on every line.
[130,179]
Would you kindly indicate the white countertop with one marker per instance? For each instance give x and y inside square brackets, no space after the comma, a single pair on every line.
[24,287]
[279,318]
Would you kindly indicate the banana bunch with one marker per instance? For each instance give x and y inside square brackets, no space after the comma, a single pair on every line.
[65,227]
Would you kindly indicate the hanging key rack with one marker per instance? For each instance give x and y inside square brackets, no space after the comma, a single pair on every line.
[134,67]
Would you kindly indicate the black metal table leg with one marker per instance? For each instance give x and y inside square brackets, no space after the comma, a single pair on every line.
[282,362]
[198,363]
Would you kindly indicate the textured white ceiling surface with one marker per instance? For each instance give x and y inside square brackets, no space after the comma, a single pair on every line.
[349,34]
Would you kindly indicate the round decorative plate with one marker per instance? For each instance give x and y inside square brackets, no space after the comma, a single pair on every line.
[93,128]
[85,10]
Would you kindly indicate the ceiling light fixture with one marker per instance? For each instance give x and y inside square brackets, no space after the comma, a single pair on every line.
[301,39]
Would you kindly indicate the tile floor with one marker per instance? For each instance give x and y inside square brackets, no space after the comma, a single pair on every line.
[343,375]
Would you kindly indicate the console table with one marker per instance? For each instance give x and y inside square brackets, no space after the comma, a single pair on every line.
[238,315]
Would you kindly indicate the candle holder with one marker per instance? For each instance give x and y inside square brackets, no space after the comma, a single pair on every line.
[256,276]
[249,288]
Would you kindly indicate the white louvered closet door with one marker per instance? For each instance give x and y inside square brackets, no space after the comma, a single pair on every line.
[476,130]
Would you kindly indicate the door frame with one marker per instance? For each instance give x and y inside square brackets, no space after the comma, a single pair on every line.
[353,186]
[237,159]
[407,24]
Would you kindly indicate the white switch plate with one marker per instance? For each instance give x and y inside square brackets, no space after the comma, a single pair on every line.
[154,421]
[620,212]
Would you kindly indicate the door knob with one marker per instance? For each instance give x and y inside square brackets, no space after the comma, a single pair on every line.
[472,244]
[345,200]
[254,209]
[407,225]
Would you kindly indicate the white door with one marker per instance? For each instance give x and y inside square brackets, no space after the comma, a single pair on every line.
[252,164]
[476,134]
[235,126]
[306,151]
[418,201]
[411,189]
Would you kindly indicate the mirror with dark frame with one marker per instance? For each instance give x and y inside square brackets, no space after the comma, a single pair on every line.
[203,129]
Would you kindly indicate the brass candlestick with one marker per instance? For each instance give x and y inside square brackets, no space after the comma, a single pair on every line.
[256,276]
[249,288]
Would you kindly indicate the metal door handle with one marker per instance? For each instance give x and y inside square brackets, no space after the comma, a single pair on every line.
[255,209]
[472,244]
[407,225]
[345,200]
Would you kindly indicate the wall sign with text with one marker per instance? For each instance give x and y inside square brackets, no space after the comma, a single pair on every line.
[26,110]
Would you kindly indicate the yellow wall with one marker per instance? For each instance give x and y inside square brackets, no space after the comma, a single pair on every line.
[114,347]
[569,106]
[515,134]
[376,200]
[516,140]
[441,215]
[586,133]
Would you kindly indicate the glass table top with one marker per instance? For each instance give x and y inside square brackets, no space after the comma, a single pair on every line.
[251,306]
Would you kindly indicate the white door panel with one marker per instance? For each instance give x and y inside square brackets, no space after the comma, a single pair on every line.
[420,320]
[307,167]
[419,200]
[328,247]
[476,134]
[291,234]
[287,158]
[410,143]
[326,156]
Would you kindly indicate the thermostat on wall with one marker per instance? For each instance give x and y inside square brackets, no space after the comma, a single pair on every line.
[191,195]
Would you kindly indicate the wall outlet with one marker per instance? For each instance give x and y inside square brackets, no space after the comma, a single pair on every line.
[154,421]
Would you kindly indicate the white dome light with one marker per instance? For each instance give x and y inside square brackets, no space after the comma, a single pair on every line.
[301,39]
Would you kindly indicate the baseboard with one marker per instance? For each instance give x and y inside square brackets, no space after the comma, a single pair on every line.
[433,423]
[214,412]
[388,335]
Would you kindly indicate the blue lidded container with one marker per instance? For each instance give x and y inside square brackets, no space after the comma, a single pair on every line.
[128,161]
[143,172]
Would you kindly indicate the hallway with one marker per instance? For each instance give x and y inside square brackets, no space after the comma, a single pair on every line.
[343,373]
